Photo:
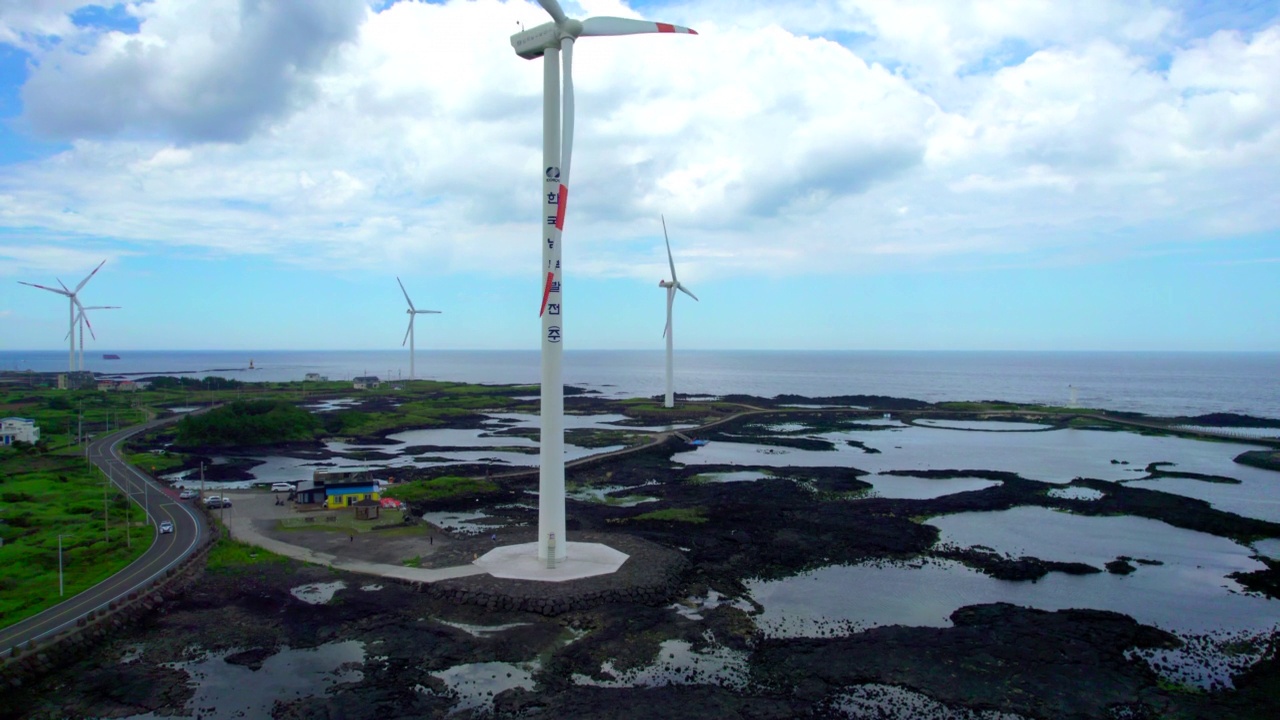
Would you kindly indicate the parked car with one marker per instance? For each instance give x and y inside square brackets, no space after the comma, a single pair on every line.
[166,527]
[281,487]
[213,501]
[187,494]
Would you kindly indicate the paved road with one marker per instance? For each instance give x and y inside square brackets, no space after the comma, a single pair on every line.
[160,503]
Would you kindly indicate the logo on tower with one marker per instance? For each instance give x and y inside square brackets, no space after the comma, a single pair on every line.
[553,173]
[553,334]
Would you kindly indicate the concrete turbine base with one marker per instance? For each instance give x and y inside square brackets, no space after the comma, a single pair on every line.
[520,562]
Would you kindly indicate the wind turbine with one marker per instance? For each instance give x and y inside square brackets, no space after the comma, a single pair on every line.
[82,319]
[71,312]
[548,41]
[408,335]
[672,286]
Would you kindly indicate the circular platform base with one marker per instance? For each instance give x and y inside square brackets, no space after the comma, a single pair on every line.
[582,560]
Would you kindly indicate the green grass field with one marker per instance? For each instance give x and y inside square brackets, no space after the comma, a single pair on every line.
[43,497]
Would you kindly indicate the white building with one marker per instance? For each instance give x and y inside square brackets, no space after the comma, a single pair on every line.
[315,377]
[16,429]
[366,382]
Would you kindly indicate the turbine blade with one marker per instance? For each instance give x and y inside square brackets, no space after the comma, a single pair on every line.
[664,237]
[566,117]
[553,9]
[427,312]
[406,294]
[85,318]
[90,276]
[666,329]
[408,330]
[686,291]
[599,26]
[53,290]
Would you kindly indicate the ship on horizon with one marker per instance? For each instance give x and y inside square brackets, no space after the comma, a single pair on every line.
[110,356]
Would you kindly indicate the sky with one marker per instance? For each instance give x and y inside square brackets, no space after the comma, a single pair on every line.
[834,174]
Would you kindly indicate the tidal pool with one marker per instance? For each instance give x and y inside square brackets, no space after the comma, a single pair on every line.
[1187,593]
[1056,456]
[915,488]
[1268,548]
[317,593]
[475,684]
[890,702]
[678,664]
[237,691]
[606,495]
[1077,493]
[984,425]
[734,476]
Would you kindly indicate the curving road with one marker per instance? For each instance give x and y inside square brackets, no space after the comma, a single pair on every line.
[160,503]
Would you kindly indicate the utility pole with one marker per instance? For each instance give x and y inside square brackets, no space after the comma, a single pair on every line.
[106,509]
[59,566]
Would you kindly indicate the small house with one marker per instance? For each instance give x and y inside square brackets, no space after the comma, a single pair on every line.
[366,382]
[307,493]
[106,384]
[340,495]
[16,429]
[315,377]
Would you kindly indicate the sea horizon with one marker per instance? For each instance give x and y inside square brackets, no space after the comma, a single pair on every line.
[1165,383]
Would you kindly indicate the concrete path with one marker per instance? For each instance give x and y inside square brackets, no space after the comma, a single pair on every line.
[250,508]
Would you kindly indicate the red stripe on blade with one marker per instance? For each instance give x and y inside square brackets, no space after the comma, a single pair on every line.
[546,293]
[561,203]
[664,27]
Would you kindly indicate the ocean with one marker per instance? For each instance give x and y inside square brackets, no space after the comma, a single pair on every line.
[1155,383]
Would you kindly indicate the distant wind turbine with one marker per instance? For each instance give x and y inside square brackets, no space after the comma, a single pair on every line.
[408,335]
[82,319]
[548,41]
[73,303]
[672,286]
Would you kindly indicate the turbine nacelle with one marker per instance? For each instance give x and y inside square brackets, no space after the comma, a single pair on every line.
[666,284]
[531,44]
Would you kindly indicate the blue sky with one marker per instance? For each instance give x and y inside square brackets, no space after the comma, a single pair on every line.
[926,174]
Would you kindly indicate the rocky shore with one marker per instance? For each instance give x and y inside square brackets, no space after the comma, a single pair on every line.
[674,634]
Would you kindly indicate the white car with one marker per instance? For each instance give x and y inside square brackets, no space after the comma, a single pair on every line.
[166,527]
[281,487]
[187,494]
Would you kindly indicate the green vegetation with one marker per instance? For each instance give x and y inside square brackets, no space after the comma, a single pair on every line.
[441,488]
[156,464]
[229,556]
[46,496]
[247,423]
[1265,459]
[689,515]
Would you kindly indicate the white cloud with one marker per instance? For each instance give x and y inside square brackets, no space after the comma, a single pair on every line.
[411,136]
[213,70]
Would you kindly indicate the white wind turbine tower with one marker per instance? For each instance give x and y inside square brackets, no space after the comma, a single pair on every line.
[672,286]
[73,303]
[82,319]
[549,41]
[408,335]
